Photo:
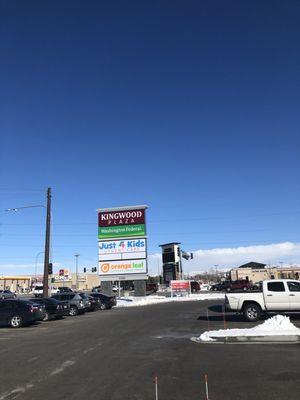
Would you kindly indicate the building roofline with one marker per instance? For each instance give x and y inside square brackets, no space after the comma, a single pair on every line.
[168,244]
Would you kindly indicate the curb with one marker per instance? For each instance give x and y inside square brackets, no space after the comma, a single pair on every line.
[288,339]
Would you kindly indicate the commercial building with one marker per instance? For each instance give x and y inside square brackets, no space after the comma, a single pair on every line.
[15,283]
[81,282]
[256,272]
[23,284]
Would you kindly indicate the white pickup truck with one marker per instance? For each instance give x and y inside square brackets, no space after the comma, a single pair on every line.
[276,295]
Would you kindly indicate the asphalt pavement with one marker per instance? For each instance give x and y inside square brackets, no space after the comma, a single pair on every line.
[114,355]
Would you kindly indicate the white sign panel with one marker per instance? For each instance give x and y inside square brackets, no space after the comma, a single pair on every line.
[122,249]
[119,267]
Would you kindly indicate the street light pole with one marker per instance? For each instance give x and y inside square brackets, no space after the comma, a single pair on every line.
[76,256]
[47,245]
[47,239]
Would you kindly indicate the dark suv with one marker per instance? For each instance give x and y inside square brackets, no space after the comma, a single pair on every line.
[105,302]
[221,286]
[195,287]
[75,302]
[16,313]
[151,287]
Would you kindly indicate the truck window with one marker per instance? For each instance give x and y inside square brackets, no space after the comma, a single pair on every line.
[276,287]
[294,286]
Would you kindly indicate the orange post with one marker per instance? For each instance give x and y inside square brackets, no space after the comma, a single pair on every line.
[155,381]
[206,386]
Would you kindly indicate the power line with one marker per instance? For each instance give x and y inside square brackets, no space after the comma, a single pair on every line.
[156,234]
[175,220]
[155,243]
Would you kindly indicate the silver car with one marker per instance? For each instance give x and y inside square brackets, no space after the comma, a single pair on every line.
[7,294]
[75,302]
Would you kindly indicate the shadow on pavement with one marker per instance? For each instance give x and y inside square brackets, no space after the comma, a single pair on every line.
[219,318]
[217,308]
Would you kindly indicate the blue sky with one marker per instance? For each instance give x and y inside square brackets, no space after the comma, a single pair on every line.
[190,107]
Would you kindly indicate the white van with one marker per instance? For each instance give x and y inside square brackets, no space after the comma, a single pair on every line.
[38,291]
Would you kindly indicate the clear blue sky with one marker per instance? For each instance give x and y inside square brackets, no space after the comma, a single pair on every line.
[191,107]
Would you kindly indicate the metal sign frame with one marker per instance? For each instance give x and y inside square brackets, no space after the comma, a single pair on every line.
[126,276]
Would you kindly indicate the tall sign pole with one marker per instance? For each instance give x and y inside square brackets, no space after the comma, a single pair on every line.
[47,245]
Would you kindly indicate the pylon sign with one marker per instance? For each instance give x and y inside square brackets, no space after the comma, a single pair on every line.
[122,243]
[118,223]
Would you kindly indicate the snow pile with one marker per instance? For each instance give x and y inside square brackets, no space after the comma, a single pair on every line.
[278,325]
[148,300]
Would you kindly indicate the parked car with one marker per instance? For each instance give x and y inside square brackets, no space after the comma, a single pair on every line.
[195,286]
[151,287]
[74,300]
[17,313]
[276,295]
[221,286]
[205,286]
[54,309]
[94,303]
[38,291]
[7,294]
[64,289]
[96,289]
[87,303]
[240,284]
[106,302]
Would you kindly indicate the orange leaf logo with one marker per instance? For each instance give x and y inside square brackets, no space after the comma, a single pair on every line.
[105,268]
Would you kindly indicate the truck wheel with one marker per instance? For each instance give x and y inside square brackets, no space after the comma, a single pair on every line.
[252,312]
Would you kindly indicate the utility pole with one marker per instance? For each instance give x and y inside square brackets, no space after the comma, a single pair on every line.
[76,256]
[47,245]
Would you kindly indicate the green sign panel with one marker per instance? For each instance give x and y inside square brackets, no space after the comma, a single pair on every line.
[108,232]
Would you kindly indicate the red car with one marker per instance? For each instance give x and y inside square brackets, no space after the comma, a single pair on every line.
[240,284]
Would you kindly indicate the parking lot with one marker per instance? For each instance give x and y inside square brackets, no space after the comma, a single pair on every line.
[114,354]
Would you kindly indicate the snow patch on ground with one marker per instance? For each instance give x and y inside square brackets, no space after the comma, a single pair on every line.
[278,325]
[148,300]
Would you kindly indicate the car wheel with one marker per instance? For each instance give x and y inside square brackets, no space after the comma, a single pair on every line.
[3,298]
[46,317]
[244,288]
[252,312]
[102,306]
[73,311]
[15,321]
